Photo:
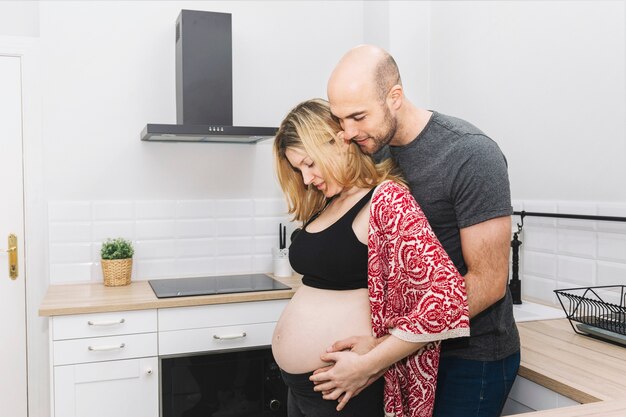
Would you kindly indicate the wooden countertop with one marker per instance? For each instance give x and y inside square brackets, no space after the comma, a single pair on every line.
[586,370]
[589,371]
[96,298]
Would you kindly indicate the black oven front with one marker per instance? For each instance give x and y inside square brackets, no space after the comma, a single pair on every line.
[243,383]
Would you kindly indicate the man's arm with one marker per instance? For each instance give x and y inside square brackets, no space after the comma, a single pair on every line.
[485,249]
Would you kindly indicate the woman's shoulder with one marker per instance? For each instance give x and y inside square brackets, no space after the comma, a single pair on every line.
[389,188]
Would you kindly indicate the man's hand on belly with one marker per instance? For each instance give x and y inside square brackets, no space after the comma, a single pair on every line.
[356,344]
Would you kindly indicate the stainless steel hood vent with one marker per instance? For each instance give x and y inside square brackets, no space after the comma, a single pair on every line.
[204,85]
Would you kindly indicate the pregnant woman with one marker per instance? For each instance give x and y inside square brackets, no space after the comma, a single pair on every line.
[371,266]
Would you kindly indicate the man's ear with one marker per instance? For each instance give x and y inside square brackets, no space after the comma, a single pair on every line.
[395,97]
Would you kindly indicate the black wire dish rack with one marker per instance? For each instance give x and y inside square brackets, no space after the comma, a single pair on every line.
[595,316]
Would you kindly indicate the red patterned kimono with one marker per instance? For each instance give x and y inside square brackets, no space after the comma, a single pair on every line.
[416,294]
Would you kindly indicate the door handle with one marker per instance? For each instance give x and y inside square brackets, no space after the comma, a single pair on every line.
[12,251]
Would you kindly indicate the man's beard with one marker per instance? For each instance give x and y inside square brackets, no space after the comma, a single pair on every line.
[390,125]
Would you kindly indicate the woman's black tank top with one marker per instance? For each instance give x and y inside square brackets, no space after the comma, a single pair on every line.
[333,259]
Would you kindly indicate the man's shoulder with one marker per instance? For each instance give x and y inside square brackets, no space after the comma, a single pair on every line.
[454,125]
[463,137]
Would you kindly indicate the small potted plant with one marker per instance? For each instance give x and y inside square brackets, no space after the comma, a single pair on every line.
[117,261]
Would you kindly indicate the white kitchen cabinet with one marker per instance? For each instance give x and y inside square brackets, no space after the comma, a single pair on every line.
[105,364]
[218,327]
[122,388]
[527,396]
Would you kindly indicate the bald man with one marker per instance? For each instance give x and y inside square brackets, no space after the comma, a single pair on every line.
[459,177]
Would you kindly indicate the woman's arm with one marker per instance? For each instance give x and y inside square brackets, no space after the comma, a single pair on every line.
[352,372]
[416,294]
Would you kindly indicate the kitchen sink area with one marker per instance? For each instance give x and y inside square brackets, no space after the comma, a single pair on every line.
[530,311]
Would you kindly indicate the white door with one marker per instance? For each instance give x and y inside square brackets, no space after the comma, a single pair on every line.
[13,401]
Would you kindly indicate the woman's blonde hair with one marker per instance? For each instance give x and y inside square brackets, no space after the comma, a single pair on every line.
[310,127]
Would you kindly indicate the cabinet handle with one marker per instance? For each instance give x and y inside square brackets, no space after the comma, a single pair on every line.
[105,322]
[106,347]
[229,336]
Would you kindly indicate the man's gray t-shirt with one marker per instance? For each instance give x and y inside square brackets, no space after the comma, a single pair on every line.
[459,177]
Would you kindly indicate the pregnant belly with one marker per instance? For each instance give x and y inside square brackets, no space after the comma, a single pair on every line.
[313,320]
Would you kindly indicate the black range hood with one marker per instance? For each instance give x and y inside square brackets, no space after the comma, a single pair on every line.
[204,85]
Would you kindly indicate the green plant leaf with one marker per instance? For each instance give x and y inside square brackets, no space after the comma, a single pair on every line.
[119,248]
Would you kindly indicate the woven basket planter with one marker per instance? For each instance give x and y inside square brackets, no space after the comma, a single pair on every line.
[116,272]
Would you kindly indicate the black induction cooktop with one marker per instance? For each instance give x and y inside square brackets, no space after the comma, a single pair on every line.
[229,284]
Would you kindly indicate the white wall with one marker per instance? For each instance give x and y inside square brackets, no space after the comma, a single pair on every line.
[110,70]
[19,18]
[547,81]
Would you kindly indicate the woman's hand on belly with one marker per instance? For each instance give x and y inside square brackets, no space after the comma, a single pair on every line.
[348,377]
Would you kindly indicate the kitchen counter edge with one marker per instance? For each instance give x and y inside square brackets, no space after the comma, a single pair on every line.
[66,299]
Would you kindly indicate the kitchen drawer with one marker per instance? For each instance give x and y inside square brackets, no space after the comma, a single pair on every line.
[103,324]
[215,338]
[220,315]
[98,349]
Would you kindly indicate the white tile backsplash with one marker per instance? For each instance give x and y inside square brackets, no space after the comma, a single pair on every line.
[577,243]
[62,253]
[234,246]
[612,247]
[539,289]
[270,207]
[195,209]
[263,244]
[234,208]
[539,264]
[543,239]
[262,263]
[581,271]
[74,272]
[71,232]
[571,253]
[196,247]
[72,211]
[610,273]
[153,210]
[236,227]
[577,207]
[537,206]
[193,267]
[201,228]
[172,238]
[612,210]
[105,230]
[154,249]
[155,229]
[155,268]
[113,210]
[233,264]
[207,237]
